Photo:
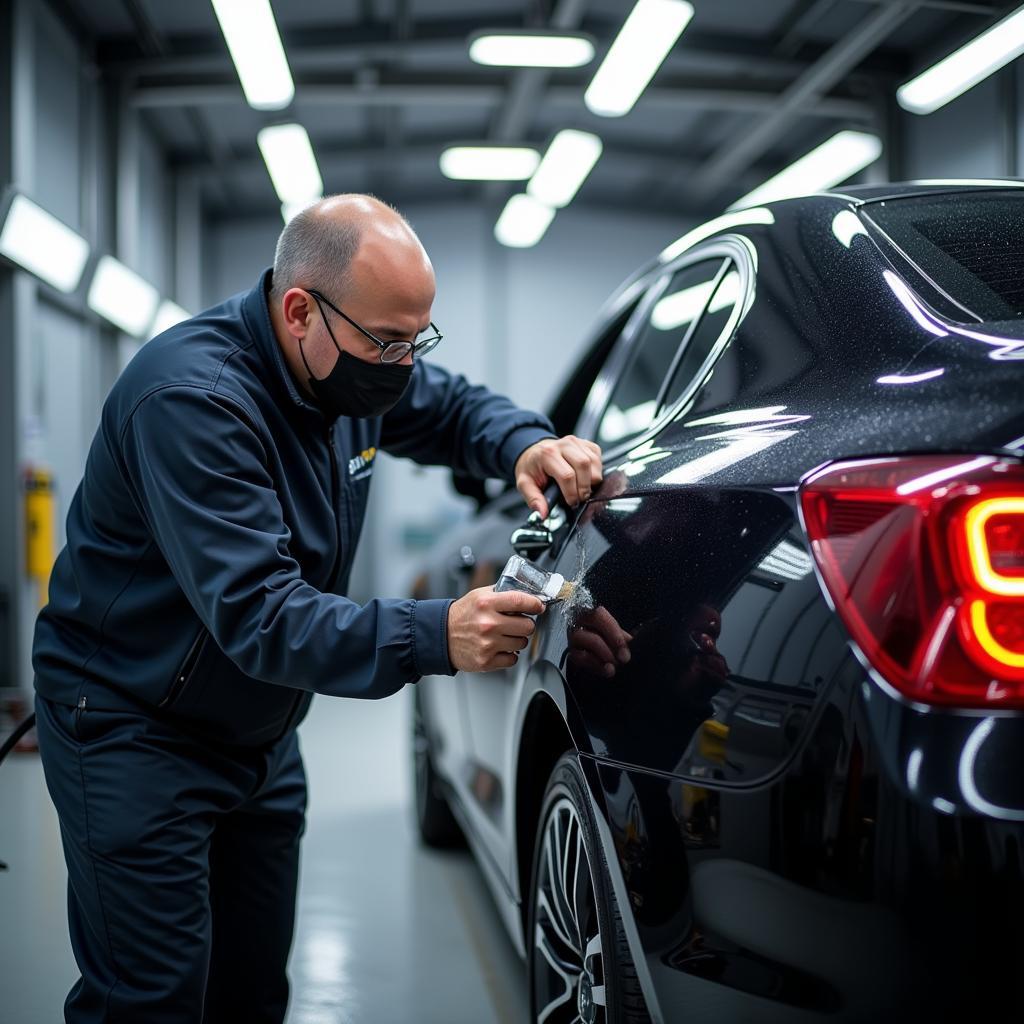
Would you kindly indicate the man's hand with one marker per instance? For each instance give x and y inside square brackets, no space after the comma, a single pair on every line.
[574,464]
[487,630]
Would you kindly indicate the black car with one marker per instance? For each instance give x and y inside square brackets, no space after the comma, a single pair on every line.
[801,798]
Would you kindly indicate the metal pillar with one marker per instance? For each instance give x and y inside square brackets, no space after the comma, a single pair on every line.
[17,299]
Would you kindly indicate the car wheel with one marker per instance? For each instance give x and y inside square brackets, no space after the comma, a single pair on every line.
[579,965]
[434,818]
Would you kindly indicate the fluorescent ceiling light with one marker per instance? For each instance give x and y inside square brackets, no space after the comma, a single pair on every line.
[489,163]
[964,68]
[291,164]
[832,162]
[40,243]
[643,43]
[255,47]
[531,49]
[569,159]
[122,297]
[169,314]
[758,215]
[523,221]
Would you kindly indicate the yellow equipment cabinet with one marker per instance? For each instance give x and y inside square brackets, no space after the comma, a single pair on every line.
[40,527]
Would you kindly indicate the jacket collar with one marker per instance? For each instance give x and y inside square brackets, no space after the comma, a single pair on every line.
[257,317]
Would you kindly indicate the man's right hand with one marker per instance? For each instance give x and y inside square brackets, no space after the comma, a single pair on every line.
[486,630]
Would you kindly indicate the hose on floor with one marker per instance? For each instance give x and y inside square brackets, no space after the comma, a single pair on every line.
[19,730]
[9,744]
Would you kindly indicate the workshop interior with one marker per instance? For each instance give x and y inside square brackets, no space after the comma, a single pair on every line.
[511,512]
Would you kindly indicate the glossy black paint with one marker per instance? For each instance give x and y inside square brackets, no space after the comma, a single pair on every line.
[788,839]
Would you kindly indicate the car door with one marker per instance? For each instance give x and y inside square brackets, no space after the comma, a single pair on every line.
[712,577]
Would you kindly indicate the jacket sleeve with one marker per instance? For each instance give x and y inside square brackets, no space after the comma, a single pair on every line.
[443,420]
[199,471]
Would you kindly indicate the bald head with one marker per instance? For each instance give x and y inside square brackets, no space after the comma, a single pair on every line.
[352,244]
[365,260]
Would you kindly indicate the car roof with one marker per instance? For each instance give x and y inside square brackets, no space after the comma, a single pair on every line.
[928,186]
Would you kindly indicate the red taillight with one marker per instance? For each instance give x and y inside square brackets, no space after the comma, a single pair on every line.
[923,557]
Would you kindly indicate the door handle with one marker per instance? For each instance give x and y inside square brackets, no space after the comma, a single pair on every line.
[533,538]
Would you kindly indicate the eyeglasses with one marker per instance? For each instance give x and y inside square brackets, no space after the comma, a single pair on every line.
[390,351]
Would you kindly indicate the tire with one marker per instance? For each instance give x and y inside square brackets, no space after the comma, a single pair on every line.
[578,962]
[434,819]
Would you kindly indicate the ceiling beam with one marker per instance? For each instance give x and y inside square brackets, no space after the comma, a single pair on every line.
[737,154]
[672,94]
[331,48]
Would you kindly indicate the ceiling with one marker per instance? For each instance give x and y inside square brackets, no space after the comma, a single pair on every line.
[382,86]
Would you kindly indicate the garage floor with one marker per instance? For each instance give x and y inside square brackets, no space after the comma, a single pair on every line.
[387,933]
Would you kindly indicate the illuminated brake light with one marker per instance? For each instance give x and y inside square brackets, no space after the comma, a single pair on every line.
[1000,654]
[995,531]
[923,559]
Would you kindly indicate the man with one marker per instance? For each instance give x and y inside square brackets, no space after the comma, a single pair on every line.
[198,605]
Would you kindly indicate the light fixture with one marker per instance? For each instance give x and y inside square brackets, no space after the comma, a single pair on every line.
[37,241]
[566,164]
[288,154]
[964,68]
[255,47]
[643,43]
[122,297]
[531,48]
[835,160]
[168,314]
[489,163]
[523,221]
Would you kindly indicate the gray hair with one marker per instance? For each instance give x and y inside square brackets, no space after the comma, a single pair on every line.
[316,251]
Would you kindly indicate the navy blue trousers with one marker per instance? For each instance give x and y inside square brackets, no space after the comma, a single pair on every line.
[182,868]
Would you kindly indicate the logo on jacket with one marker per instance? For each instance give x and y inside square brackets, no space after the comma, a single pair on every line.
[361,466]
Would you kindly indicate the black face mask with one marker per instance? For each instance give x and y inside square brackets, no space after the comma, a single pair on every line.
[357,388]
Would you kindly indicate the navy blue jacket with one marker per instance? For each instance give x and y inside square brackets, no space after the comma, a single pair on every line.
[210,542]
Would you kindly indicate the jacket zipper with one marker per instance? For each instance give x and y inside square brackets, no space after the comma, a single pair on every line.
[335,485]
[184,671]
[78,716]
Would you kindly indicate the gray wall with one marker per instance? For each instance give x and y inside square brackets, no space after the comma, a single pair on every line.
[63,125]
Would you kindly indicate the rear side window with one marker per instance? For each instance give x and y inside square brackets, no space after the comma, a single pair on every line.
[706,335]
[970,244]
[634,400]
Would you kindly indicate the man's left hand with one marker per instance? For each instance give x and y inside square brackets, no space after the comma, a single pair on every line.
[574,464]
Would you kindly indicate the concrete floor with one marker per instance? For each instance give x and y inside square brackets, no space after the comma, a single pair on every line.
[388,932]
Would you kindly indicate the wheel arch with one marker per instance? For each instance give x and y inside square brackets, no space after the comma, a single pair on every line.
[544,738]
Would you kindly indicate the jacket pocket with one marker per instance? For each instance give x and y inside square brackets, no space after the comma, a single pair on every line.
[186,671]
[212,697]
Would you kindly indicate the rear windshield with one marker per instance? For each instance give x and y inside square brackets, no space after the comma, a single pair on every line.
[971,244]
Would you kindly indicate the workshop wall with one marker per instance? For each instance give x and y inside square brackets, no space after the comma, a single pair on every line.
[91,162]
